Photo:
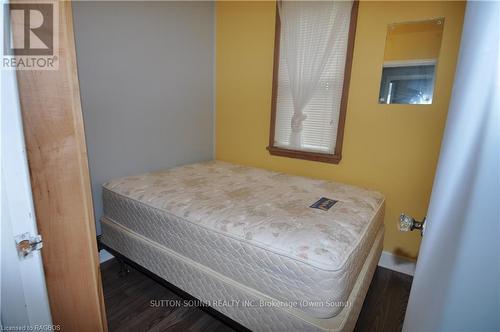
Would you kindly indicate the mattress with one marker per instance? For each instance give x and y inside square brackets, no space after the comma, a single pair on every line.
[249,307]
[255,227]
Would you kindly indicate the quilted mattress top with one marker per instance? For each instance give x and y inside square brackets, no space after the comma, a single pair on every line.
[263,208]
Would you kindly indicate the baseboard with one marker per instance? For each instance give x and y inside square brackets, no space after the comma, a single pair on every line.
[104,256]
[397,263]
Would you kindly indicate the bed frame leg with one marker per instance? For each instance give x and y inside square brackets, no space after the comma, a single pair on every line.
[124,268]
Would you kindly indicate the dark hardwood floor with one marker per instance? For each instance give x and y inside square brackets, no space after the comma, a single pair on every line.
[385,303]
[131,304]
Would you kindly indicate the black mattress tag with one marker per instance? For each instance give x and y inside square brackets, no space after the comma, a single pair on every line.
[324,204]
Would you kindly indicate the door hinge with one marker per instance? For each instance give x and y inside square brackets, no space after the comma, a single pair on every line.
[26,244]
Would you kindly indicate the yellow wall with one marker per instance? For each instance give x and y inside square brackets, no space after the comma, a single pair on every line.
[390,148]
[416,40]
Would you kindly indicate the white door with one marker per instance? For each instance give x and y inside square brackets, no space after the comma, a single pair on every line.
[457,280]
[23,293]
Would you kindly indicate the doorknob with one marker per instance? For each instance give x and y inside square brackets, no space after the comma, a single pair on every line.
[408,224]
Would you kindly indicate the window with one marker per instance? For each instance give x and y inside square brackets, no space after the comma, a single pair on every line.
[312,63]
[411,82]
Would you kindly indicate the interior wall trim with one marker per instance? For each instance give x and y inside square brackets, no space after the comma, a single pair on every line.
[397,263]
[104,256]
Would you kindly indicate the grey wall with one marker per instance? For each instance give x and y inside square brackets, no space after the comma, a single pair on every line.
[146,73]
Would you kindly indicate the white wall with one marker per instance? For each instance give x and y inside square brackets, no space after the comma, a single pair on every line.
[146,73]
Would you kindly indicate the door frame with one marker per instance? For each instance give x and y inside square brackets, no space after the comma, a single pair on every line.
[23,280]
[57,159]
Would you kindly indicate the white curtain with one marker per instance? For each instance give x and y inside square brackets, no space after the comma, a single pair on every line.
[308,36]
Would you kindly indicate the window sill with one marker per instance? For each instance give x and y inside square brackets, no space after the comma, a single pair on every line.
[313,156]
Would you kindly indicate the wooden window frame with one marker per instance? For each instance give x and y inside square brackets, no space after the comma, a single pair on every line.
[314,156]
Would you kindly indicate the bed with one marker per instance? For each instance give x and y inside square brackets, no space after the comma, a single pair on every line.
[247,242]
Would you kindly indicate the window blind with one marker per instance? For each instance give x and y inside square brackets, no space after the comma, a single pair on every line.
[319,131]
